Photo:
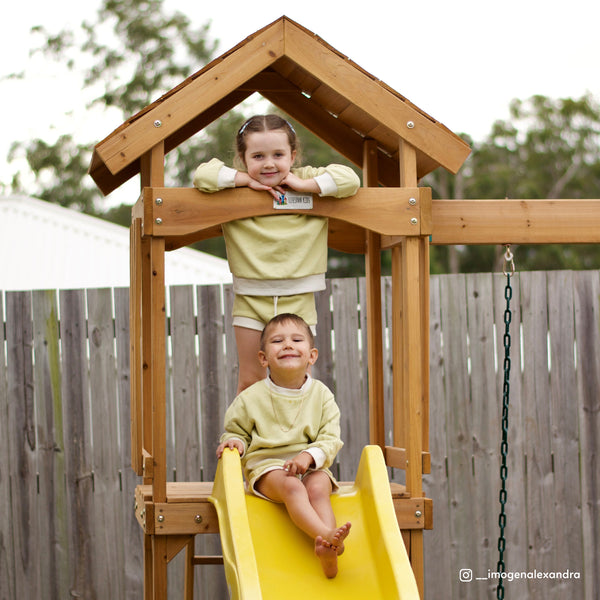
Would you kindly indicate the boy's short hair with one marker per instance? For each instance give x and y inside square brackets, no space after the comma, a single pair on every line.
[283,318]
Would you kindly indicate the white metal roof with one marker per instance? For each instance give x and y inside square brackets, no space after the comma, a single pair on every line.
[46,246]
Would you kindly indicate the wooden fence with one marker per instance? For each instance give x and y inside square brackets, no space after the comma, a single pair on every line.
[66,489]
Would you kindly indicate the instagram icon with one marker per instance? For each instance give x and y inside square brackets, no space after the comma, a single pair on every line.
[465,575]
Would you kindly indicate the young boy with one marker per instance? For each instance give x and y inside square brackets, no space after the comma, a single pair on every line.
[287,431]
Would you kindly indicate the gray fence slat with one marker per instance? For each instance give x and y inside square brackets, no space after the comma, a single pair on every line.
[214,363]
[565,431]
[21,435]
[107,521]
[459,426]
[78,459]
[185,384]
[536,398]
[485,423]
[52,502]
[435,485]
[587,324]
[7,557]
[324,367]
[350,390]
[132,537]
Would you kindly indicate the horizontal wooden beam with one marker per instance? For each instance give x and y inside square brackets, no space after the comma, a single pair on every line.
[175,212]
[516,221]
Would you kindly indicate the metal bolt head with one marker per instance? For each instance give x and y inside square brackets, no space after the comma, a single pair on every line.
[158,201]
[160,518]
[198,518]
[158,221]
[410,124]
[412,201]
[157,123]
[414,221]
[418,514]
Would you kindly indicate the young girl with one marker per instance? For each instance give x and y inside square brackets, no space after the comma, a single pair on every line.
[277,261]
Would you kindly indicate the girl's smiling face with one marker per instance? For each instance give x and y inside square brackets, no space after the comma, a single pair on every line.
[268,157]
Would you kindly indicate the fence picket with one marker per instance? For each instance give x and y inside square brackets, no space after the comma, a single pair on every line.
[22,443]
[587,325]
[52,513]
[78,460]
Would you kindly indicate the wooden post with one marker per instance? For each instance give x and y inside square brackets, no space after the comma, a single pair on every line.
[410,305]
[374,318]
[150,283]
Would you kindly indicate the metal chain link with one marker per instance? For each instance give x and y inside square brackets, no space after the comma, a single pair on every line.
[508,258]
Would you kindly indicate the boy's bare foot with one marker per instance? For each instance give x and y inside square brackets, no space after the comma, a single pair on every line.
[339,535]
[327,554]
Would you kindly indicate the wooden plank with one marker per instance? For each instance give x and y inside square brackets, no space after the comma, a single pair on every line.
[52,502]
[107,521]
[232,368]
[587,335]
[183,211]
[516,221]
[374,320]
[536,394]
[350,390]
[136,346]
[568,546]
[128,143]
[324,367]
[461,486]
[485,425]
[213,363]
[438,564]
[184,383]
[7,557]
[377,101]
[22,444]
[131,537]
[78,459]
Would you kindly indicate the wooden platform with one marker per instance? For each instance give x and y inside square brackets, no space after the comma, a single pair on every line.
[188,511]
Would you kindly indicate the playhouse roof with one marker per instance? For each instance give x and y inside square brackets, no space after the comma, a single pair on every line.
[306,78]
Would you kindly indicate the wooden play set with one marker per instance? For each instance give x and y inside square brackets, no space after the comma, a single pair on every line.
[395,144]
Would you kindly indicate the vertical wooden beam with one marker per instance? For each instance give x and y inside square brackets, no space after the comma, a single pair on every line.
[151,282]
[410,302]
[135,329]
[374,317]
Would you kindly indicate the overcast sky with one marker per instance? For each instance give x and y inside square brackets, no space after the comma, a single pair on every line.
[462,62]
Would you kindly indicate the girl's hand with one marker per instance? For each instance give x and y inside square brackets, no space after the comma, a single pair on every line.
[233,444]
[299,464]
[294,182]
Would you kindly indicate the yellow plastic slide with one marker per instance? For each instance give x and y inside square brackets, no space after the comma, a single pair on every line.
[267,557]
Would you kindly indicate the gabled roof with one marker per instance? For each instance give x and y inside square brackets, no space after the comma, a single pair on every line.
[306,78]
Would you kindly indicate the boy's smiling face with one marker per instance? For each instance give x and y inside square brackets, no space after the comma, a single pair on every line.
[287,352]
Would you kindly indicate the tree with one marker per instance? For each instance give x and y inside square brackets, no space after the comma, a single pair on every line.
[133,52]
[547,149]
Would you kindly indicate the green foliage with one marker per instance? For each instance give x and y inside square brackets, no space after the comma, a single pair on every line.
[133,52]
[547,149]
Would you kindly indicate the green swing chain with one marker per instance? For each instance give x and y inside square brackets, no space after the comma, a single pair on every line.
[508,260]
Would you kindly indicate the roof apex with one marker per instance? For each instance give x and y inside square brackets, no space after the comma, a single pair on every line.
[305,77]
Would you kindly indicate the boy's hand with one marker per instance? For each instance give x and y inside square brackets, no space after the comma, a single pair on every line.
[299,464]
[233,444]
